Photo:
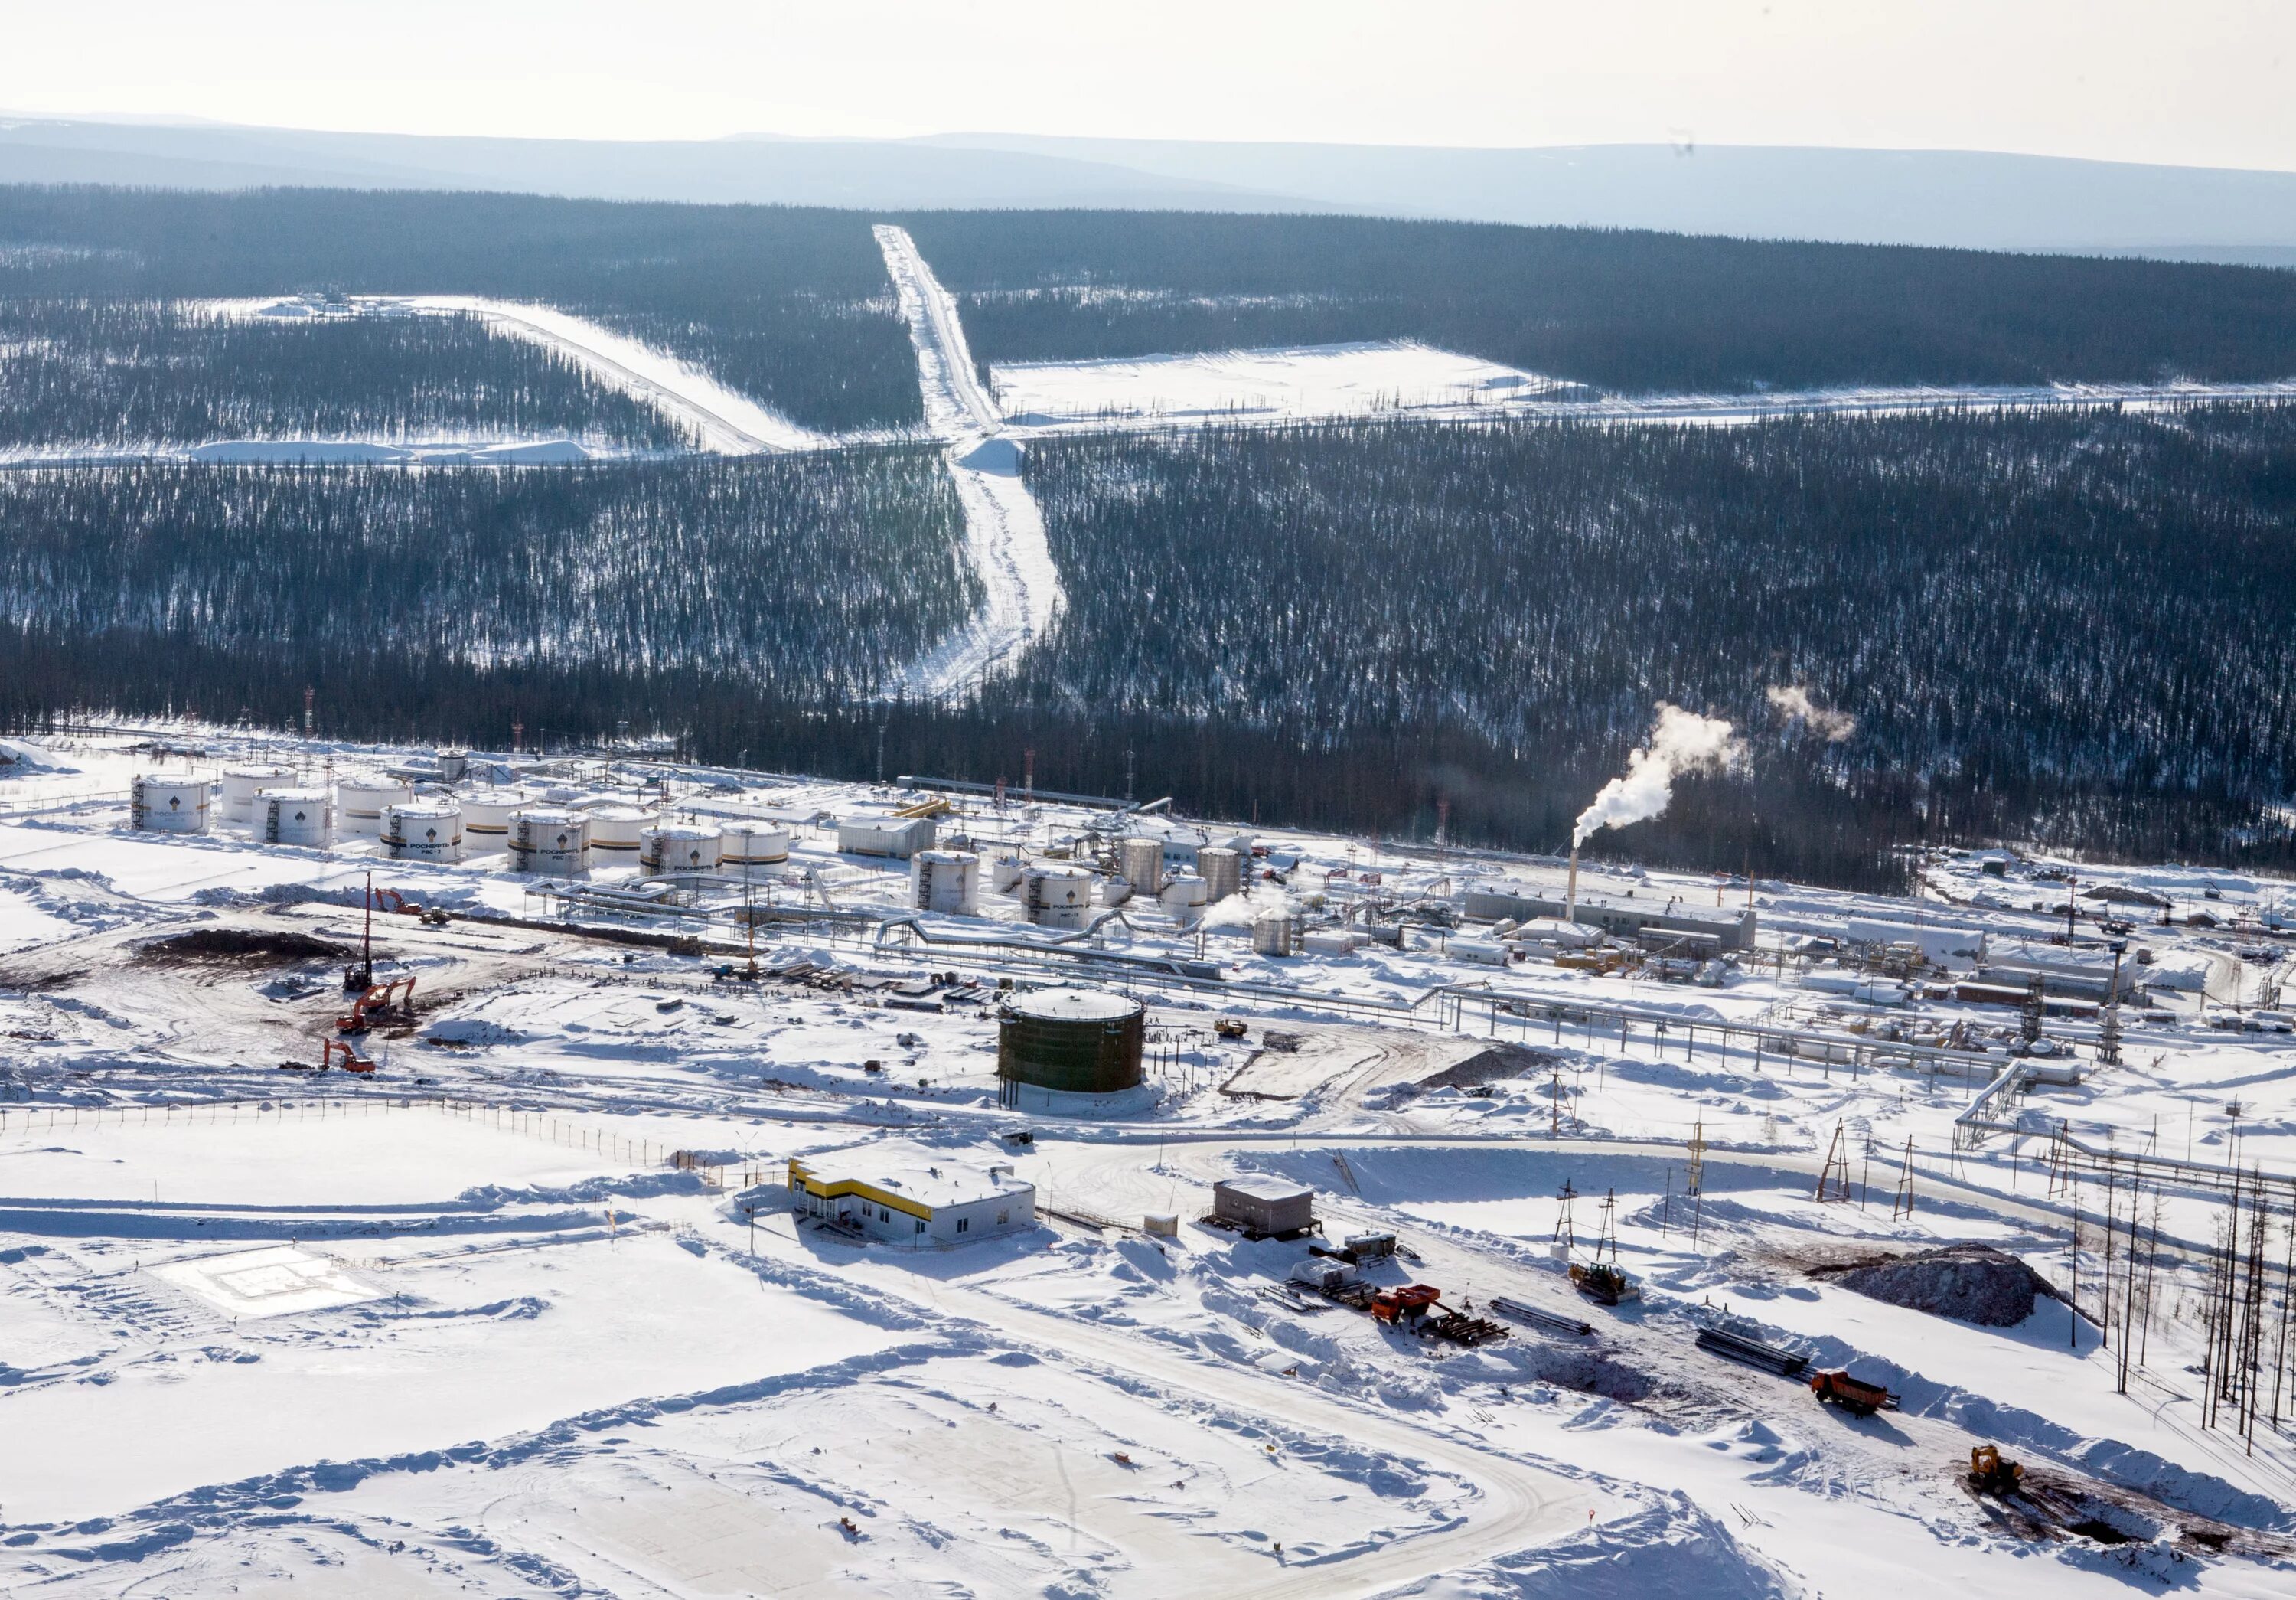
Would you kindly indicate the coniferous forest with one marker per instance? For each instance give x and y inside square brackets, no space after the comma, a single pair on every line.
[2064,627]
[803,576]
[1624,310]
[2060,627]
[138,372]
[791,306]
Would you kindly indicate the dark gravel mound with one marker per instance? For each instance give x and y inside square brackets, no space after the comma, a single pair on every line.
[1969,1282]
[244,944]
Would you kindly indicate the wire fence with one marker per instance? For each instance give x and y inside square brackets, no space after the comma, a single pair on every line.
[566,1132]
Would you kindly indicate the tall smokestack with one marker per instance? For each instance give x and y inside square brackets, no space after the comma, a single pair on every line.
[1571,898]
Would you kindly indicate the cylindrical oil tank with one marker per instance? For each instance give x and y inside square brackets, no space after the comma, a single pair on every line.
[616,832]
[1271,935]
[169,805]
[1057,897]
[946,881]
[454,766]
[241,785]
[1222,871]
[1114,891]
[679,847]
[754,844]
[487,814]
[1141,862]
[360,798]
[1006,870]
[549,839]
[1077,1041]
[422,830]
[1185,896]
[304,816]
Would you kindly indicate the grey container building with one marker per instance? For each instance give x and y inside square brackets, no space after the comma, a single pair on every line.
[1072,1041]
[1265,1205]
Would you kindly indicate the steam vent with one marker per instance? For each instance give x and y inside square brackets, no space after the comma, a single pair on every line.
[1074,1041]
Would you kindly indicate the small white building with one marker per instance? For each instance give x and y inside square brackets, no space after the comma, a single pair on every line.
[899,837]
[903,1193]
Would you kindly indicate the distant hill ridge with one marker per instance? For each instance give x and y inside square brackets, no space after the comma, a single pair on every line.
[1972,199]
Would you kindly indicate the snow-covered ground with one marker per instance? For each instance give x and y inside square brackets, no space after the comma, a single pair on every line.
[1004,530]
[1258,385]
[473,1325]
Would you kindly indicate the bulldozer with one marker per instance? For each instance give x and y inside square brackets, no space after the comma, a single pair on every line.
[1602,1282]
[1990,1474]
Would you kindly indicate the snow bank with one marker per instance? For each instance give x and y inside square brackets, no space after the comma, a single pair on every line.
[1670,1548]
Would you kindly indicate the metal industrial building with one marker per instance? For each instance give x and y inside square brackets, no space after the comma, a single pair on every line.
[1627,919]
[904,1194]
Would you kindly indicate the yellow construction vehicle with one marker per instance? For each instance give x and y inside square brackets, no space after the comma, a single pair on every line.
[1989,1474]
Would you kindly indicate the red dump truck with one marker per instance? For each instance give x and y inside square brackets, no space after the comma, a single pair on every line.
[1853,1395]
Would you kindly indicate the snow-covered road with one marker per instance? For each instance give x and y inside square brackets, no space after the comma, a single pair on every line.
[723,423]
[1519,1504]
[1005,530]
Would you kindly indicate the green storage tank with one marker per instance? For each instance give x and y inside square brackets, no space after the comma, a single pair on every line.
[1074,1041]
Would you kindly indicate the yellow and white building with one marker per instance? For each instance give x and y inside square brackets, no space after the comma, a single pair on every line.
[905,1194]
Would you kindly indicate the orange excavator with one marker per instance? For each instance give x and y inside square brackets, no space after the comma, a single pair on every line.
[329,1050]
[381,1003]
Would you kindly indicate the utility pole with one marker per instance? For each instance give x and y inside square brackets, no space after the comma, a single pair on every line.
[1695,1176]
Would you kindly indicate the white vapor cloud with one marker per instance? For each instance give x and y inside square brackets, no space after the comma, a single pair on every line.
[1679,741]
[1793,703]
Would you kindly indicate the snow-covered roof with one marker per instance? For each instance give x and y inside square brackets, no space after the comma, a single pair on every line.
[898,1171]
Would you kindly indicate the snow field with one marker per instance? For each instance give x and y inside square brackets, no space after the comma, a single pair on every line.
[1693,1467]
[495,1345]
[1257,385]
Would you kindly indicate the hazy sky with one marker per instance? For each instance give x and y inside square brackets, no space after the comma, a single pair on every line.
[2206,82]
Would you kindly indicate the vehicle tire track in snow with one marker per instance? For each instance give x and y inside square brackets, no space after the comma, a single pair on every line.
[1004,529]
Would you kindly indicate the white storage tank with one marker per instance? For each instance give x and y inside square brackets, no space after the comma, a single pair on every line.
[487,814]
[1141,861]
[1186,896]
[304,816]
[754,844]
[549,839]
[616,832]
[946,881]
[1057,897]
[678,847]
[165,805]
[360,798]
[1221,869]
[241,785]
[1271,935]
[1114,891]
[422,830]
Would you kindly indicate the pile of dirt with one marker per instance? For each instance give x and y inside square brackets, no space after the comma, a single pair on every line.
[244,944]
[1969,1282]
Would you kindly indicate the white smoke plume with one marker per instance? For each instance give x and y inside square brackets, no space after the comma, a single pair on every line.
[1794,702]
[1679,741]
